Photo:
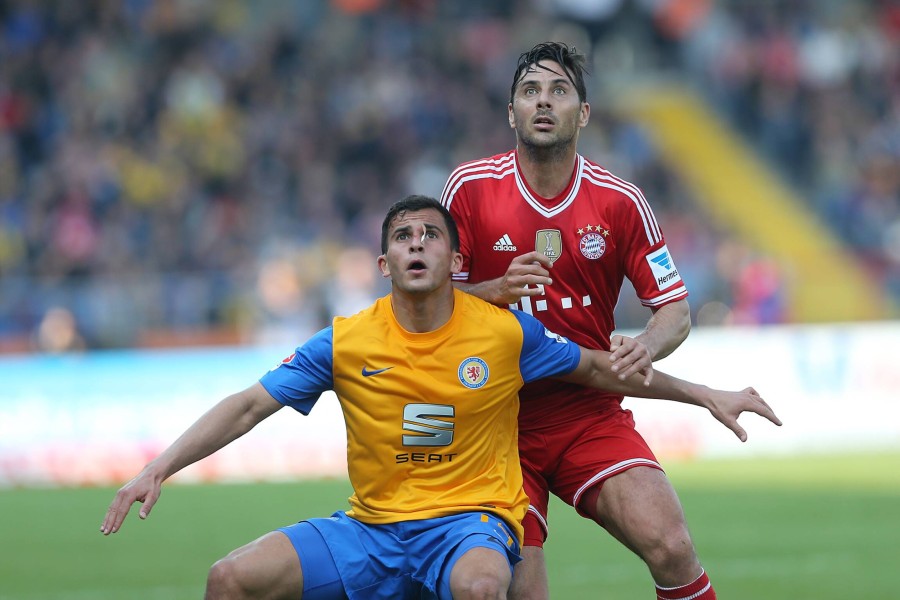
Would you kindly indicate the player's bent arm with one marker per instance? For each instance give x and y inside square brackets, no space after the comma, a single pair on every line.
[595,370]
[522,277]
[223,423]
[667,329]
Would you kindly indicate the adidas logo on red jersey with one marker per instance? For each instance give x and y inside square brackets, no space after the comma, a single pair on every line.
[505,244]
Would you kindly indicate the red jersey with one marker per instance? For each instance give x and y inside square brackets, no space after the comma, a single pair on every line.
[599,230]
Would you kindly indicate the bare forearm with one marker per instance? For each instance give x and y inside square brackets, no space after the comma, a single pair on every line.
[667,329]
[489,291]
[666,387]
[222,424]
[595,370]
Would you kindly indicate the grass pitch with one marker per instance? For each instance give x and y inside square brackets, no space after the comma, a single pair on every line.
[822,527]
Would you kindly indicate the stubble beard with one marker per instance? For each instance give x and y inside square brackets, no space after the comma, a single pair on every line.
[549,151]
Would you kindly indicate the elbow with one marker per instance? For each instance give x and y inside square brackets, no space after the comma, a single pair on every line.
[685,329]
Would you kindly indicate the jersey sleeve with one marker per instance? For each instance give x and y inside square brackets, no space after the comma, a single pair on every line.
[454,199]
[302,377]
[648,263]
[544,353]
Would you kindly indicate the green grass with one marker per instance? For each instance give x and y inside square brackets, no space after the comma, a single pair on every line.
[815,527]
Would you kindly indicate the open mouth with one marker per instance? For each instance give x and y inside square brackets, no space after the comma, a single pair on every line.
[416,265]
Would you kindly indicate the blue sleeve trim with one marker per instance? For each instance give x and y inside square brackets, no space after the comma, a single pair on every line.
[302,377]
[544,353]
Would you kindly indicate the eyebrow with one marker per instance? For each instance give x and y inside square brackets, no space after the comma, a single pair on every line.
[557,81]
[408,228]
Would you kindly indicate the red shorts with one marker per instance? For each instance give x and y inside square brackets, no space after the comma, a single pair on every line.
[570,458]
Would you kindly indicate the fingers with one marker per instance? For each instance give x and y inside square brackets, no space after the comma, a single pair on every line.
[116,513]
[533,257]
[761,407]
[615,343]
[533,265]
[629,357]
[134,491]
[149,501]
[738,430]
[751,402]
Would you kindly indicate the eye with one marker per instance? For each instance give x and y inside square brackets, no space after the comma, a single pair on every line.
[559,91]
[530,91]
[402,236]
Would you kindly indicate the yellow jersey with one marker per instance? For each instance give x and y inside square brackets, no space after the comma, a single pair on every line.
[431,417]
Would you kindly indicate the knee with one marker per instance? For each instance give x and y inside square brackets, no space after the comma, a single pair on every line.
[224,581]
[672,549]
[485,586]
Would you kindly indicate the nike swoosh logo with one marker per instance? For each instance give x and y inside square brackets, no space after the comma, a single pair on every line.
[368,373]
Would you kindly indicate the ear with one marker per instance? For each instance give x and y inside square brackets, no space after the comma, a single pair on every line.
[456,263]
[512,117]
[585,114]
[383,266]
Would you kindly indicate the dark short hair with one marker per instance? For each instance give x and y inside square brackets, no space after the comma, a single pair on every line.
[567,57]
[416,203]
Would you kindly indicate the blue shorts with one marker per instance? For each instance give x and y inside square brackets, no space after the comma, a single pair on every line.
[345,558]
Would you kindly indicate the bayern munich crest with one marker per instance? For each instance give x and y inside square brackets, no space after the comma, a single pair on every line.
[473,372]
[592,245]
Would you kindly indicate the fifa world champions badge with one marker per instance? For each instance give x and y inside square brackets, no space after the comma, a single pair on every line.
[549,243]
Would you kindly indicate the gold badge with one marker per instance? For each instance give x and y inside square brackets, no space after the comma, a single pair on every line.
[549,243]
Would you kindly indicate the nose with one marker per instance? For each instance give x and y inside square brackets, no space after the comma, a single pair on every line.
[417,243]
[545,99]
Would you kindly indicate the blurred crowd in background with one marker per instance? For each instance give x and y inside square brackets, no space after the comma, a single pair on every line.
[208,171]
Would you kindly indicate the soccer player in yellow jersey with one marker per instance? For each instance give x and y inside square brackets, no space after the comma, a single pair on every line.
[428,380]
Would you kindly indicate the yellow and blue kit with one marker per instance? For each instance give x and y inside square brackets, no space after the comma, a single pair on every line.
[431,417]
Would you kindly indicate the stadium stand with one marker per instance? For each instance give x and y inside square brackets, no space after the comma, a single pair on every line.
[213,172]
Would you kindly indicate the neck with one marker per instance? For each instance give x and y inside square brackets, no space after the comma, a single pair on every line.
[423,312]
[548,171]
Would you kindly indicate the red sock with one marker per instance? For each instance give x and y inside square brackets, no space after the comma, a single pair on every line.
[699,589]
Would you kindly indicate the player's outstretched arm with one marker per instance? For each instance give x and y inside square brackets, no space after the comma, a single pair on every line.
[595,370]
[223,423]
[525,270]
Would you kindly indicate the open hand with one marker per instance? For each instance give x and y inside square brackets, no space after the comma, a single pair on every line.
[726,407]
[144,488]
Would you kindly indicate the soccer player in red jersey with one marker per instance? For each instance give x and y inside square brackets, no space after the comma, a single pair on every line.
[576,230]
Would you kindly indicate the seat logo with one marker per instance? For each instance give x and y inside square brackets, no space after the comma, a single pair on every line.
[429,431]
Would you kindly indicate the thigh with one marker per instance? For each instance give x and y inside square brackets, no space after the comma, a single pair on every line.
[268,567]
[372,560]
[479,570]
[321,579]
[454,541]
[638,507]
[529,580]
[607,445]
